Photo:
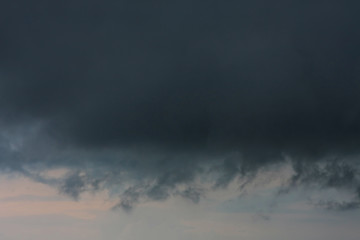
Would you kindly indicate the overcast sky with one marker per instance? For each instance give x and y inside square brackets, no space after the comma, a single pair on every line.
[179,119]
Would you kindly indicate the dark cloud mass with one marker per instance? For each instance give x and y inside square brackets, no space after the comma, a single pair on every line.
[189,81]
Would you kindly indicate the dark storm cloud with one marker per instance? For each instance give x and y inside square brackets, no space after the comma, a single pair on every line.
[255,77]
[185,74]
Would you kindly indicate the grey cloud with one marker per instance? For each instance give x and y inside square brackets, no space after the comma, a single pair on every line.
[192,193]
[130,197]
[73,186]
[333,174]
[229,169]
[339,206]
[190,82]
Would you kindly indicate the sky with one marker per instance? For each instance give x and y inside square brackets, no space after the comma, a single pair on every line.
[179,119]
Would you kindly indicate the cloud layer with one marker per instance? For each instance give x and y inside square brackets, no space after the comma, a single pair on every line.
[156,93]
